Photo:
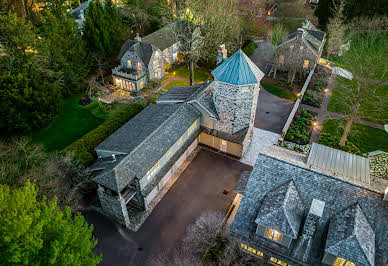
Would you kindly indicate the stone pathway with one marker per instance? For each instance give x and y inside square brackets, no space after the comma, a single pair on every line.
[323,113]
[261,140]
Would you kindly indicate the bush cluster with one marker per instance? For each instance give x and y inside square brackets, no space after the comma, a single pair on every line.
[299,131]
[82,150]
[332,141]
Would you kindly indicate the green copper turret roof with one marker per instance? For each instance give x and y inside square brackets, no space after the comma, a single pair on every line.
[238,70]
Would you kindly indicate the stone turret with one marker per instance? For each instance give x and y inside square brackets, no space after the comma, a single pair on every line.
[236,91]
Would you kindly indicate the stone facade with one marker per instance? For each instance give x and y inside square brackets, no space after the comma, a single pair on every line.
[235,105]
[114,206]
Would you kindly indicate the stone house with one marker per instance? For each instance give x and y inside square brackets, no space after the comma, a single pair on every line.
[292,214]
[137,160]
[299,49]
[143,59]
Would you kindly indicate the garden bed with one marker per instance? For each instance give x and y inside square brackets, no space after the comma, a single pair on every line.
[316,88]
[281,82]
[301,127]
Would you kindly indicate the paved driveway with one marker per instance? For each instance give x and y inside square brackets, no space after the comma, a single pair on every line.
[272,112]
[205,185]
[262,56]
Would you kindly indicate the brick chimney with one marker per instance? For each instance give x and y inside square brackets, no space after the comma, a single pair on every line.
[137,38]
[300,32]
[222,54]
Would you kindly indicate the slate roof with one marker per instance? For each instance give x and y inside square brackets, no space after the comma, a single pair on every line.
[157,143]
[162,38]
[77,11]
[270,173]
[180,94]
[238,70]
[136,130]
[282,209]
[350,231]
[142,50]
[242,182]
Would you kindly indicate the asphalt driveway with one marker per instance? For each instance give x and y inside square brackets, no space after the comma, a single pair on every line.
[205,185]
[262,56]
[272,111]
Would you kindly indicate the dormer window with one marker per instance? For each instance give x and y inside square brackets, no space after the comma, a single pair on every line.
[129,63]
[301,47]
[274,235]
[342,262]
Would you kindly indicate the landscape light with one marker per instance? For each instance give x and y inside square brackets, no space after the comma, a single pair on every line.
[326,90]
[298,94]
[315,124]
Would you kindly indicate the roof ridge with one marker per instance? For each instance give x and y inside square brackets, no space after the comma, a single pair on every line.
[149,136]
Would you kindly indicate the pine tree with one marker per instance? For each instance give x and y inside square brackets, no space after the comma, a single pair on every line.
[36,232]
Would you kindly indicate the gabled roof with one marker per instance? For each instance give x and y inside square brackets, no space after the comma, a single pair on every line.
[136,130]
[238,70]
[338,194]
[142,50]
[162,38]
[282,209]
[351,237]
[180,94]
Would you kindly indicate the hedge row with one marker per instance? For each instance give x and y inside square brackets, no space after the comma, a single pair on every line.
[82,149]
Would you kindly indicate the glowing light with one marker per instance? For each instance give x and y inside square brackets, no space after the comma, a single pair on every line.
[326,90]
[173,73]
[187,10]
[315,124]
[269,12]
[298,94]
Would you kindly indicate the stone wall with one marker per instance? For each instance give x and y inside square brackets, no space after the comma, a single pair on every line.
[114,207]
[379,164]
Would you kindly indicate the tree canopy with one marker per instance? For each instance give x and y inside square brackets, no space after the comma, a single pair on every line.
[36,232]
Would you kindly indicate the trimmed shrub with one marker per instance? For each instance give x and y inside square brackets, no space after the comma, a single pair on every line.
[82,150]
[332,141]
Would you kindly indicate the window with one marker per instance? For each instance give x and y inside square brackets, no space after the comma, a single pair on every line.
[180,140]
[155,63]
[175,46]
[191,128]
[273,234]
[251,250]
[342,262]
[281,59]
[138,66]
[301,47]
[275,261]
[129,63]
[306,64]
[292,47]
[168,153]
[152,170]
[141,84]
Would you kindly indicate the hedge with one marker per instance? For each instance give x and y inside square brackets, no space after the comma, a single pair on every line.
[82,150]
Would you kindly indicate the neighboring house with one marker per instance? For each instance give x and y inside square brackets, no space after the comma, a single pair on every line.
[292,214]
[138,159]
[256,8]
[144,59]
[78,13]
[300,48]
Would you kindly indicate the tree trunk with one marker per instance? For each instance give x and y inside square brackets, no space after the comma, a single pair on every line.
[351,117]
[292,78]
[274,73]
[191,71]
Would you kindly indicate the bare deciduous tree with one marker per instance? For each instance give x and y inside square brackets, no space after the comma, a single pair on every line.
[336,28]
[366,61]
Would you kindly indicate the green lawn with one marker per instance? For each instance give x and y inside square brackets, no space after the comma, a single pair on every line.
[249,48]
[365,138]
[373,106]
[72,122]
[279,92]
[200,75]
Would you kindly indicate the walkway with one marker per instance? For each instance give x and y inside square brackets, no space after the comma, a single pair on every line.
[323,113]
[262,56]
[261,140]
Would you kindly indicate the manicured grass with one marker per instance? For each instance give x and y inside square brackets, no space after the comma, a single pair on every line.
[366,139]
[279,92]
[249,48]
[200,75]
[371,107]
[72,122]
[174,83]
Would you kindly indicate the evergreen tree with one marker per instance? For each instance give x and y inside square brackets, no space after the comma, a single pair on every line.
[104,29]
[36,232]
[66,52]
[27,101]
